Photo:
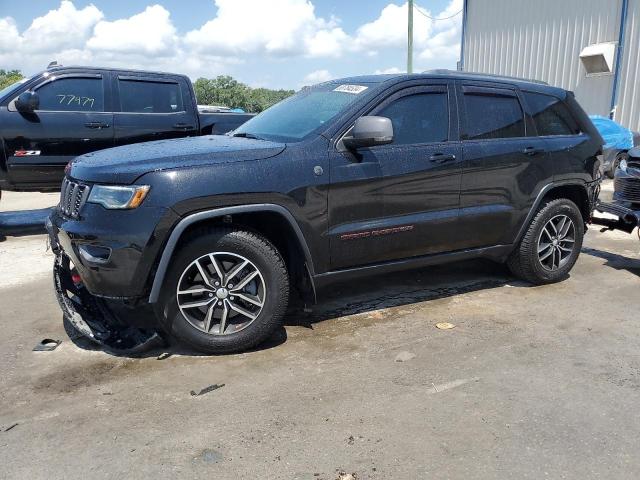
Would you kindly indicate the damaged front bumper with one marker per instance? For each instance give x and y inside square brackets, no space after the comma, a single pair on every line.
[92,317]
[627,218]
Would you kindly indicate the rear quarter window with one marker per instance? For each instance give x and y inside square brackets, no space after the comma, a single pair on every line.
[550,115]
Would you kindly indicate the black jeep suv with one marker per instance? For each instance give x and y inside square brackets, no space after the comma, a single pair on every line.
[350,177]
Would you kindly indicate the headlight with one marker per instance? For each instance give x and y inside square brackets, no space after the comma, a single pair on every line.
[623,165]
[117,197]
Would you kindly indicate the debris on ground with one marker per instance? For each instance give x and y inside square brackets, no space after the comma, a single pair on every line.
[346,476]
[453,384]
[405,356]
[10,427]
[445,325]
[47,345]
[205,390]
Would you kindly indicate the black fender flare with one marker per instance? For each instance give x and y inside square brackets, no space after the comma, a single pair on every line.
[182,225]
[541,194]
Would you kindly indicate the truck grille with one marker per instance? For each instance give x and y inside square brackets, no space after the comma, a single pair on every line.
[72,197]
[628,189]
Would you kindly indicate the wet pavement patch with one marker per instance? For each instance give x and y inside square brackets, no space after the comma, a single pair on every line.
[210,456]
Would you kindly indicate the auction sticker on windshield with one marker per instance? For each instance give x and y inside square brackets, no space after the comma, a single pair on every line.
[355,89]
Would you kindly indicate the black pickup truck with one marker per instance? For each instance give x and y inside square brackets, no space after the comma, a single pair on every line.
[50,118]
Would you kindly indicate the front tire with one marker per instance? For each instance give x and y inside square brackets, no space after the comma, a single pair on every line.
[551,245]
[227,290]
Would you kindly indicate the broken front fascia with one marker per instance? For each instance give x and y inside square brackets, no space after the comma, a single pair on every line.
[91,317]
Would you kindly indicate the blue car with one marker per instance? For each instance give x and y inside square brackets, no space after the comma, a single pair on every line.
[619,140]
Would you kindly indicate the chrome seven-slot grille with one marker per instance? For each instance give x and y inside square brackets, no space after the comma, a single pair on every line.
[628,188]
[72,197]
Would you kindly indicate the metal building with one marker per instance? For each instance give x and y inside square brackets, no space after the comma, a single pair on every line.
[589,46]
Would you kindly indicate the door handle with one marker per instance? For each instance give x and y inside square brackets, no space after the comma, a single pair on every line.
[533,150]
[442,157]
[97,125]
[183,126]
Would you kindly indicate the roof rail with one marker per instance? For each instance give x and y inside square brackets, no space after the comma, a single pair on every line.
[444,71]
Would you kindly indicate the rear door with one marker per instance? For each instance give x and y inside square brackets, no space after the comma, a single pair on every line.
[73,118]
[568,146]
[400,200]
[152,108]
[505,163]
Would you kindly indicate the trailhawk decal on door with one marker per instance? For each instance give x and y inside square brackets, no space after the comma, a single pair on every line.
[26,153]
[376,233]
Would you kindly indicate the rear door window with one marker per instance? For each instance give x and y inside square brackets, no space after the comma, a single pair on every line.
[492,113]
[72,95]
[550,115]
[144,96]
[419,118]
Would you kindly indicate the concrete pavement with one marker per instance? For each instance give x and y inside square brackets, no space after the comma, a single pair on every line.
[533,382]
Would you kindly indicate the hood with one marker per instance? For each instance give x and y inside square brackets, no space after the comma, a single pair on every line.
[125,164]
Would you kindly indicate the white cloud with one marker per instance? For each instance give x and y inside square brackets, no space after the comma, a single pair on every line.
[65,27]
[327,43]
[318,76]
[388,70]
[238,33]
[444,44]
[432,39]
[150,32]
[9,36]
[276,27]
[390,29]
[74,36]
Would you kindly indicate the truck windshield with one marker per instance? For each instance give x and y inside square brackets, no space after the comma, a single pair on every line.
[296,117]
[14,86]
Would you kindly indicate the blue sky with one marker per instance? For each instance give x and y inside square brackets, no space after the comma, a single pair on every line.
[274,43]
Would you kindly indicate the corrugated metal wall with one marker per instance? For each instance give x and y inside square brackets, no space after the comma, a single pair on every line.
[628,111]
[542,39]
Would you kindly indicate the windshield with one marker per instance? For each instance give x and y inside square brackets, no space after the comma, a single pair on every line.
[296,117]
[14,86]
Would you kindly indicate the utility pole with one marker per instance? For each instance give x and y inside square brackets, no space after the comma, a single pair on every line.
[410,38]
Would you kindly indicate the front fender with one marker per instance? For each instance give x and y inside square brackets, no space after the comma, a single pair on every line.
[189,220]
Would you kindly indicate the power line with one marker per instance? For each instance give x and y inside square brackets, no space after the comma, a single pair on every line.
[434,18]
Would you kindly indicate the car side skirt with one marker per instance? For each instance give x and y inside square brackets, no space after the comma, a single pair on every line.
[497,253]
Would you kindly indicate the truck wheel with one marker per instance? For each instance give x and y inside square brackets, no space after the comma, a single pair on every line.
[616,163]
[226,290]
[551,245]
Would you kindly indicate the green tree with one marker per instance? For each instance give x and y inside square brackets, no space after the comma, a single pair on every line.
[228,92]
[7,77]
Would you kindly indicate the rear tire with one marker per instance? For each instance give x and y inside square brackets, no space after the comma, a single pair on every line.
[241,302]
[551,245]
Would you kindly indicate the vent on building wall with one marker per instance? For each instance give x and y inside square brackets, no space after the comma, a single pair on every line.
[598,58]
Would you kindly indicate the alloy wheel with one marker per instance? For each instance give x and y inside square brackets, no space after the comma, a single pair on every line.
[221,293]
[556,242]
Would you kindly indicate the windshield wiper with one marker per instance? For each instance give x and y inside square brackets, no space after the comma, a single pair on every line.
[247,135]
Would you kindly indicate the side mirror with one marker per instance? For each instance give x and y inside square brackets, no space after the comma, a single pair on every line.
[27,102]
[369,131]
